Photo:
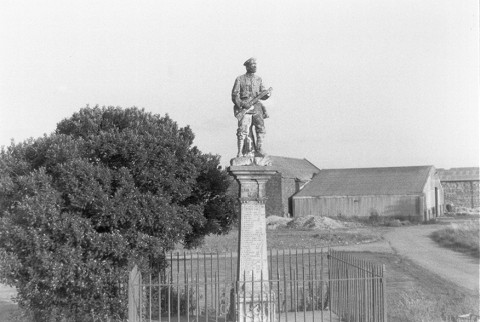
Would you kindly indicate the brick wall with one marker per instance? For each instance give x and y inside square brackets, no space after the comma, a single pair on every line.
[462,193]
[274,206]
[476,194]
[289,188]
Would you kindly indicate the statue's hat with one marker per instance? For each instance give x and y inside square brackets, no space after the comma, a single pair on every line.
[249,61]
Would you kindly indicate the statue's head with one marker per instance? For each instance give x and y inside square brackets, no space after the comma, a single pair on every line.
[251,65]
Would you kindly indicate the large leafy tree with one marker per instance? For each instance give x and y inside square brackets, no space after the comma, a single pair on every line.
[109,188]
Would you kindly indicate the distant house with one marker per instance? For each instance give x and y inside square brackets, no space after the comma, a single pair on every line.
[461,186]
[292,175]
[396,192]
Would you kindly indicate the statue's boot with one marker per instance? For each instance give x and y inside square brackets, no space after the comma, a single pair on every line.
[259,145]
[240,144]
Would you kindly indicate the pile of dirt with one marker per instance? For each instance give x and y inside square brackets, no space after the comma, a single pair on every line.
[317,222]
[309,222]
[274,222]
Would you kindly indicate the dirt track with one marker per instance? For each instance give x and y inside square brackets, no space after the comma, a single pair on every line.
[414,243]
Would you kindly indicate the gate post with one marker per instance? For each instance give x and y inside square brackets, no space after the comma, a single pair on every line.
[134,295]
[384,293]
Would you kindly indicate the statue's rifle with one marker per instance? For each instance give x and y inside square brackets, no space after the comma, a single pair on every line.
[249,105]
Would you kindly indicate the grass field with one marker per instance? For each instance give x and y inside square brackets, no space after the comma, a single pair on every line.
[462,237]
[8,311]
[294,238]
[7,308]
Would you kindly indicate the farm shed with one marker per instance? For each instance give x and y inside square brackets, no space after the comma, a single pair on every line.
[461,186]
[393,192]
[292,175]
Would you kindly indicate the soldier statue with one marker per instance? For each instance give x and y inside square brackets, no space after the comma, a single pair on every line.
[247,92]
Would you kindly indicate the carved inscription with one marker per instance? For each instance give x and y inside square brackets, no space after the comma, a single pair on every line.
[253,241]
[249,189]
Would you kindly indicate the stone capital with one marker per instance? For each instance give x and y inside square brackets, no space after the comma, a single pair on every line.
[252,172]
[252,180]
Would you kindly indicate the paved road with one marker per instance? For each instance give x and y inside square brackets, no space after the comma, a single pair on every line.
[414,243]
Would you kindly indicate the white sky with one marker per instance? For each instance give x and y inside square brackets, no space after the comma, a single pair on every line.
[357,83]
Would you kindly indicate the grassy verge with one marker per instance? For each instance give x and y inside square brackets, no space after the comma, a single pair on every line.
[375,220]
[461,237]
[414,294]
[9,312]
[292,238]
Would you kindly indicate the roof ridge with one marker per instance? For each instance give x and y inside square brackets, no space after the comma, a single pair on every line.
[459,168]
[282,157]
[432,169]
[299,168]
[312,164]
[399,167]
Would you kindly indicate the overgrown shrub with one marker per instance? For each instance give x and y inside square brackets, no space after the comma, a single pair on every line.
[170,301]
[312,298]
[110,188]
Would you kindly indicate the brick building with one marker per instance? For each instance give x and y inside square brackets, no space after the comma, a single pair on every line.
[461,186]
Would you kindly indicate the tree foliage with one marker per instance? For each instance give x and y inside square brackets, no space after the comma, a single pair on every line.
[109,188]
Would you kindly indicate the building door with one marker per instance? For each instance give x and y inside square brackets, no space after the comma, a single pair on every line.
[436,202]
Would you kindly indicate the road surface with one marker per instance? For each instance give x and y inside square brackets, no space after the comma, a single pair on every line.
[414,243]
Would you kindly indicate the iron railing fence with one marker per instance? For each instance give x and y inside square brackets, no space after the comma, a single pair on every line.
[357,288]
[303,285]
[200,299]
[312,263]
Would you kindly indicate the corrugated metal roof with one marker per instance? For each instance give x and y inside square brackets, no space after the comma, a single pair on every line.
[367,181]
[459,174]
[294,168]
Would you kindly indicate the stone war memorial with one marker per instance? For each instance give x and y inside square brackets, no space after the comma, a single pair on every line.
[252,168]
[256,284]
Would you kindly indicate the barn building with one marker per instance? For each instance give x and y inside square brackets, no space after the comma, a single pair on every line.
[461,186]
[400,192]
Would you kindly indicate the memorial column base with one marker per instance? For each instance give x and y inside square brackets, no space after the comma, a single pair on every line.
[253,299]
[256,309]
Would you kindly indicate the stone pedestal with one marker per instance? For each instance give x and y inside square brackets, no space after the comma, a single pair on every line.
[254,300]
